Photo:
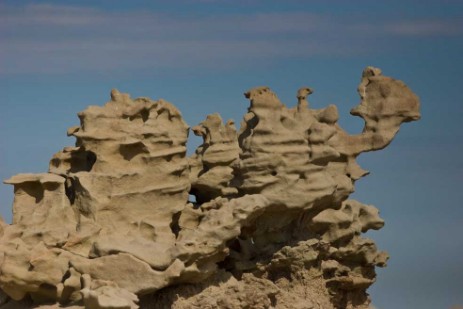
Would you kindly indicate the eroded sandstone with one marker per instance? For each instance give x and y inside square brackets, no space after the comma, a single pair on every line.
[110,224]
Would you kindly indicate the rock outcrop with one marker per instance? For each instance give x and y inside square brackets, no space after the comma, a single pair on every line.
[110,225]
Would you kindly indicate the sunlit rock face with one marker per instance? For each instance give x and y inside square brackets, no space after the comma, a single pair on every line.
[110,224]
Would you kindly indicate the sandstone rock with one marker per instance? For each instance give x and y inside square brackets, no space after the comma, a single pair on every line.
[106,294]
[110,224]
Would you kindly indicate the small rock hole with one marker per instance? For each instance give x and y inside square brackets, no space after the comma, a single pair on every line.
[69,189]
[145,114]
[174,225]
[91,159]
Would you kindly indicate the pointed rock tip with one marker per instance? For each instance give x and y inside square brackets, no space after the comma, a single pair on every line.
[256,90]
[303,92]
[115,94]
[371,71]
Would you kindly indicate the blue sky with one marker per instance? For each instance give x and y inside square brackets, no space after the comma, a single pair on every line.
[57,57]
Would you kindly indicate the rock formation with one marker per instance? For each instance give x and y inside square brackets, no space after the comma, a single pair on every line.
[110,224]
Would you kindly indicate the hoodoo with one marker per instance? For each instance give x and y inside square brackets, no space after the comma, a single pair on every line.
[110,225]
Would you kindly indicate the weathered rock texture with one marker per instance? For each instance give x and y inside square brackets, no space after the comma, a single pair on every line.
[110,224]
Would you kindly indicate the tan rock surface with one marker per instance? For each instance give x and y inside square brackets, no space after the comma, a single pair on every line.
[110,224]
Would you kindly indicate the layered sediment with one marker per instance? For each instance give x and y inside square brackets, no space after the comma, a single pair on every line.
[110,225]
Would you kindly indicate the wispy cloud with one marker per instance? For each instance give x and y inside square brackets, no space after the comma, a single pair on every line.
[427,28]
[48,38]
[48,15]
